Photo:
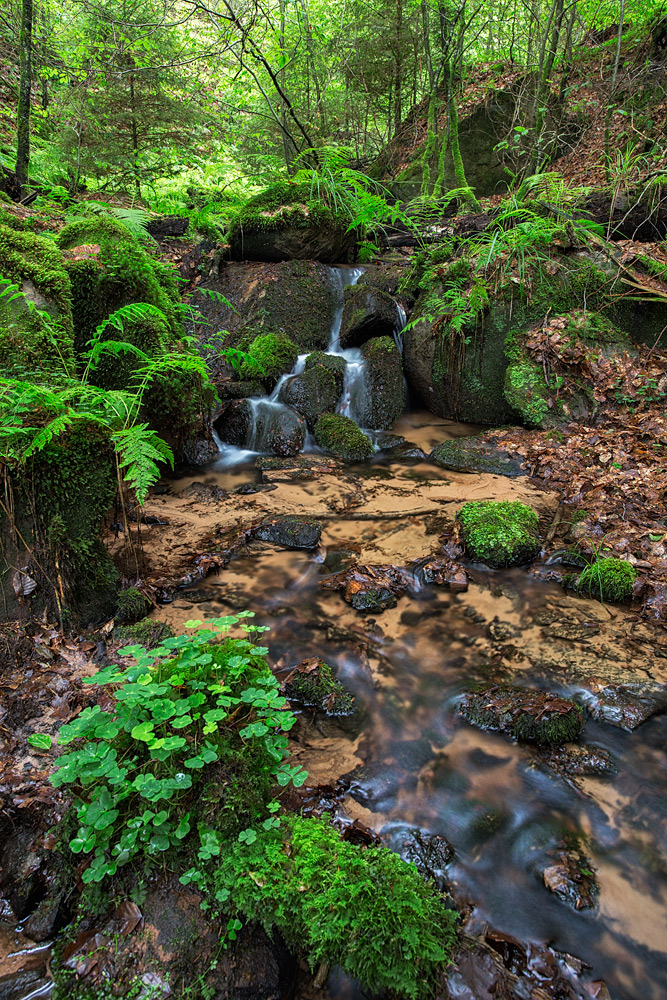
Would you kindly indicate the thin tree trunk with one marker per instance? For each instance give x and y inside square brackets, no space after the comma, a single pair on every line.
[23,124]
[610,105]
[135,141]
[398,67]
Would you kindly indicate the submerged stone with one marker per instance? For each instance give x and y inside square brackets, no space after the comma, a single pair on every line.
[474,454]
[527,715]
[499,533]
[291,532]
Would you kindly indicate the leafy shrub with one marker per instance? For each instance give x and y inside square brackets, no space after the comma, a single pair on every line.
[137,770]
[608,579]
[499,533]
[365,910]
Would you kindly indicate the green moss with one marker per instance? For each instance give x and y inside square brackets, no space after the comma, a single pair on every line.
[363,909]
[527,392]
[317,687]
[332,362]
[313,392]
[148,632]
[342,437]
[499,533]
[608,579]
[131,606]
[275,355]
[527,716]
[281,205]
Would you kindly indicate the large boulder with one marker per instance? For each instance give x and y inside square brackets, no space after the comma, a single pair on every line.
[234,423]
[341,436]
[261,426]
[297,298]
[311,393]
[367,312]
[332,362]
[384,396]
[285,222]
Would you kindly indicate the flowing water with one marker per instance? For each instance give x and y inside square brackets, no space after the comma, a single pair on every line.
[264,410]
[408,761]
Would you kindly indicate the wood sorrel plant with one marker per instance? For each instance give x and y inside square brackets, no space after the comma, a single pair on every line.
[177,710]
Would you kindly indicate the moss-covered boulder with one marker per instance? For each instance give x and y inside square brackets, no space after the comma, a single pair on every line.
[296,298]
[312,683]
[287,221]
[245,389]
[499,533]
[554,366]
[475,454]
[332,362]
[367,312]
[384,387]
[461,373]
[291,532]
[608,579]
[342,437]
[30,340]
[312,393]
[527,715]
[148,632]
[52,554]
[262,426]
[272,355]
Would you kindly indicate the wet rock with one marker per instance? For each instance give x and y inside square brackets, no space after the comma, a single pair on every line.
[312,683]
[279,430]
[429,853]
[22,867]
[49,916]
[204,492]
[580,760]
[369,588]
[247,389]
[332,362]
[291,532]
[384,388]
[312,393]
[446,572]
[21,985]
[408,453]
[572,876]
[571,631]
[388,442]
[342,437]
[526,715]
[475,454]
[200,451]
[339,560]
[234,422]
[297,299]
[367,312]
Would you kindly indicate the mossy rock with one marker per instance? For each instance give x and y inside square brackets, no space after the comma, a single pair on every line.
[341,436]
[312,393]
[131,606]
[332,362]
[312,683]
[274,354]
[499,533]
[473,454]
[285,222]
[291,532]
[528,716]
[608,579]
[367,312]
[147,632]
[59,500]
[384,387]
[245,389]
[29,341]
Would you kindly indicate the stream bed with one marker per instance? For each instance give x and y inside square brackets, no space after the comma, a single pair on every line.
[407,761]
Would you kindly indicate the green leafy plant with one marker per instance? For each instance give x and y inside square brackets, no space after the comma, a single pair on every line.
[135,768]
[499,533]
[608,579]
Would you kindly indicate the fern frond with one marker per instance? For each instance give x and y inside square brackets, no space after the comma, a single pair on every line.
[139,449]
[54,429]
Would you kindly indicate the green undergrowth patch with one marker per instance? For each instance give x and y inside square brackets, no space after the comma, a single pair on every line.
[283,204]
[363,909]
[608,579]
[499,533]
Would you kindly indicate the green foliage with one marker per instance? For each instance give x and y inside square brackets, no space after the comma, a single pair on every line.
[342,437]
[148,632]
[499,533]
[136,769]
[608,579]
[30,339]
[526,390]
[365,910]
[26,256]
[270,355]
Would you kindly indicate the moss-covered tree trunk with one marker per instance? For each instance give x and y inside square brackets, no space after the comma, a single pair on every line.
[23,123]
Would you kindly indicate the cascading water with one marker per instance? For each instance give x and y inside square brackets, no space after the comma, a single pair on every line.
[266,411]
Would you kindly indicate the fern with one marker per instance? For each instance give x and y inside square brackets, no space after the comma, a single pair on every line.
[139,449]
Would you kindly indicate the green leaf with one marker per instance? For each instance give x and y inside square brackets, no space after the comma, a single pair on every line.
[40,740]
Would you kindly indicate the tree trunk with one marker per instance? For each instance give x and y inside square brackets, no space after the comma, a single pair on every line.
[135,141]
[23,124]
